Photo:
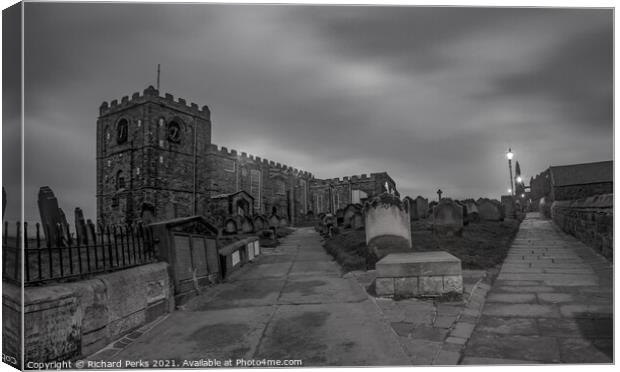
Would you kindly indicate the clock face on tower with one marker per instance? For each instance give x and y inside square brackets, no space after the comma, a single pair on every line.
[174,132]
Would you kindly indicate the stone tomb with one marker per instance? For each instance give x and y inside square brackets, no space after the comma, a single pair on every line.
[388,225]
[448,217]
[490,210]
[419,274]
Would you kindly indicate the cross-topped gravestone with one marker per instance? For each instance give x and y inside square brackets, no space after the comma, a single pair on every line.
[439,192]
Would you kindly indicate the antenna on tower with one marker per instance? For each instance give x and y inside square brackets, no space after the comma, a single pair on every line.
[158,72]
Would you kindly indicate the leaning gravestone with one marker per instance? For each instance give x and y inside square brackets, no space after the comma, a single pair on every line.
[49,213]
[80,226]
[448,217]
[388,226]
[490,210]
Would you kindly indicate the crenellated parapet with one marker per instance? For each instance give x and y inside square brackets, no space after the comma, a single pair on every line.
[151,94]
[223,151]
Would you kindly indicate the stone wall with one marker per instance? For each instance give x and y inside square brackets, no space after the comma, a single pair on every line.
[71,320]
[590,220]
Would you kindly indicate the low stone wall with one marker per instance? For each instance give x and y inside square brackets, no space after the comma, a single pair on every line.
[590,220]
[70,320]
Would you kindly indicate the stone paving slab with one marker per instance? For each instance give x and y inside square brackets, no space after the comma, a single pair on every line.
[552,302]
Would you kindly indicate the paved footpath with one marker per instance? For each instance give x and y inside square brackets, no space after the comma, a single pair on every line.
[290,303]
[551,303]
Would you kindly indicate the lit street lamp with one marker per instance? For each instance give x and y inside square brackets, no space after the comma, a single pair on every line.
[509,156]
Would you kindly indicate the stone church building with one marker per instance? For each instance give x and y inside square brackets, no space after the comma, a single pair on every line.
[156,161]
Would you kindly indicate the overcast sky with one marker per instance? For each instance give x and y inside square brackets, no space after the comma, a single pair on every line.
[433,96]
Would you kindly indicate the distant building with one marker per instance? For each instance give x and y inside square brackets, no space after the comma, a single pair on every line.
[569,182]
[156,161]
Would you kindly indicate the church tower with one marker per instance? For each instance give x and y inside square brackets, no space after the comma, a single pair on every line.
[152,158]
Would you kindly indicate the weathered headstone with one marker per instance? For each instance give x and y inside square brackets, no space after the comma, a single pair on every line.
[80,226]
[246,225]
[448,217]
[274,221]
[260,223]
[349,212]
[357,221]
[49,213]
[472,210]
[388,225]
[490,210]
[230,226]
[327,224]
[421,205]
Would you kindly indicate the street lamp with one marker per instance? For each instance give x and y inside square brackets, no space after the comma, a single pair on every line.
[509,156]
[519,179]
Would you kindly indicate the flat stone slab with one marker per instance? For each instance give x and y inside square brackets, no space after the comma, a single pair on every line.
[436,263]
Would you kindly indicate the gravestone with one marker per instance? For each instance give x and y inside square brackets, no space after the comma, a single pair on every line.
[246,225]
[49,213]
[80,227]
[274,221]
[230,227]
[448,217]
[490,210]
[472,210]
[259,223]
[349,213]
[357,221]
[283,222]
[327,224]
[388,225]
[421,206]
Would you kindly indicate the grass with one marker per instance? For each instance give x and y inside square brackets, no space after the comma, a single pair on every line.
[483,245]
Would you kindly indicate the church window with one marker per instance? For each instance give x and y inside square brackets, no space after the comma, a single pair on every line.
[122,129]
[280,187]
[120,180]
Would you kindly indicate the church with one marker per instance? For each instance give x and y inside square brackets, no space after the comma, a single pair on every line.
[156,161]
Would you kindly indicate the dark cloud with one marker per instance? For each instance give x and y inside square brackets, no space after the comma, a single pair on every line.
[576,75]
[434,96]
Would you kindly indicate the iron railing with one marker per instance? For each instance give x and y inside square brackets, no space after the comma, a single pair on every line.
[94,250]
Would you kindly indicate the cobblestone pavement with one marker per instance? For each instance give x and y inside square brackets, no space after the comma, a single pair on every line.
[551,303]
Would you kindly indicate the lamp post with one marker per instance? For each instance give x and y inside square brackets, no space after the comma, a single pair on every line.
[509,156]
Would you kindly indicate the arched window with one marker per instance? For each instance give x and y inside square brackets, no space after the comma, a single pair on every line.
[122,129]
